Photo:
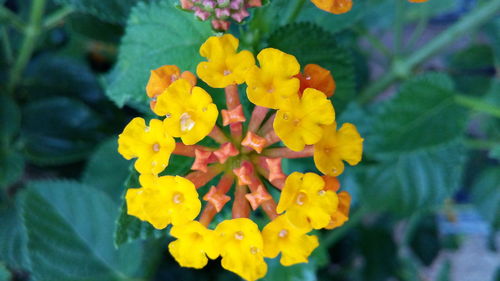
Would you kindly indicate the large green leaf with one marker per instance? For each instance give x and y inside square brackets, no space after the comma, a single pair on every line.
[70,234]
[107,170]
[13,237]
[58,130]
[10,119]
[4,273]
[486,197]
[157,34]
[115,11]
[421,116]
[413,181]
[11,167]
[311,44]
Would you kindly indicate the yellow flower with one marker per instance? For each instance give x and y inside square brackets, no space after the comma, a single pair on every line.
[274,80]
[299,122]
[280,235]
[168,199]
[306,202]
[194,242]
[224,66]
[189,111]
[345,144]
[334,6]
[151,145]
[241,248]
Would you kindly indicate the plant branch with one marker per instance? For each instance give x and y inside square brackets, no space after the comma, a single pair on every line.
[478,105]
[32,31]
[7,16]
[402,68]
[56,17]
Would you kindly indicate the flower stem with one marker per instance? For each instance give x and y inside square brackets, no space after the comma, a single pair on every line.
[296,11]
[189,150]
[32,32]
[232,101]
[285,152]
[258,115]
[7,15]
[218,135]
[223,187]
[56,17]
[200,178]
[241,208]
[403,68]
[478,105]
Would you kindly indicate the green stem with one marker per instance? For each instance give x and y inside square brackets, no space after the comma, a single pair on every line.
[335,235]
[56,17]
[296,11]
[8,16]
[403,68]
[478,105]
[374,41]
[418,32]
[7,48]
[481,144]
[32,31]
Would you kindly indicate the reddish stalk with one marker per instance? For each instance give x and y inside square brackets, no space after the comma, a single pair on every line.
[258,115]
[263,169]
[200,178]
[189,150]
[218,135]
[210,211]
[271,138]
[268,125]
[241,208]
[285,152]
[232,101]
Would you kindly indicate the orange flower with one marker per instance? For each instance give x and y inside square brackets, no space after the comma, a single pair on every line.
[418,1]
[318,78]
[162,77]
[335,6]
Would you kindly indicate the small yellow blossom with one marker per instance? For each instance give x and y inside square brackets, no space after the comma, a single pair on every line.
[336,146]
[194,242]
[306,202]
[189,111]
[280,235]
[151,145]
[224,66]
[241,248]
[274,80]
[168,199]
[299,122]
[334,6]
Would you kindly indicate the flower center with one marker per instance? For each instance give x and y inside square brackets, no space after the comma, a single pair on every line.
[156,147]
[301,198]
[239,235]
[254,250]
[186,122]
[177,198]
[283,233]
[227,72]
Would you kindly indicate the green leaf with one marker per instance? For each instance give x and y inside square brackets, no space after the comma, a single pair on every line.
[58,130]
[311,44]
[93,28]
[486,197]
[157,34]
[13,237]
[11,167]
[297,272]
[70,231]
[10,119]
[115,11]
[422,115]
[495,152]
[444,272]
[106,170]
[413,181]
[473,69]
[4,273]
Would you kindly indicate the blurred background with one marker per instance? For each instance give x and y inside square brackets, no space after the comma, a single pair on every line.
[421,82]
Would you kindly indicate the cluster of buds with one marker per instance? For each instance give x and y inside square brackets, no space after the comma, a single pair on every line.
[248,156]
[220,12]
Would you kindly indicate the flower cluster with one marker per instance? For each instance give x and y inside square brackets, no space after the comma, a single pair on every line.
[248,157]
[220,12]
